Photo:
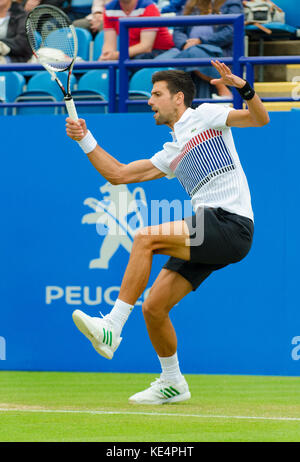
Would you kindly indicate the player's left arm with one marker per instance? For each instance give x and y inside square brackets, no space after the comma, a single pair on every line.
[256,115]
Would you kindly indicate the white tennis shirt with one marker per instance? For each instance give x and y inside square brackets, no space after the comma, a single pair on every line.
[203,157]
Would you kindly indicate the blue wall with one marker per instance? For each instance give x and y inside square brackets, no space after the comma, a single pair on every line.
[245,318]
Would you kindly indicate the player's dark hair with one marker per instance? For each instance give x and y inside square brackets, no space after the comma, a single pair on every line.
[177,81]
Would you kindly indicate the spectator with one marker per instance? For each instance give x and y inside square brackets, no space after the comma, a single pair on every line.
[13,41]
[143,43]
[205,42]
[94,21]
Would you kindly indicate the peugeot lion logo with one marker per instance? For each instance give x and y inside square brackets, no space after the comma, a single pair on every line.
[118,216]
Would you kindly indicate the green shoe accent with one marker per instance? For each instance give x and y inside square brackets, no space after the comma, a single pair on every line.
[174,389]
[104,335]
[164,392]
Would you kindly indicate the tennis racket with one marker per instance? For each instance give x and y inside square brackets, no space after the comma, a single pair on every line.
[54,43]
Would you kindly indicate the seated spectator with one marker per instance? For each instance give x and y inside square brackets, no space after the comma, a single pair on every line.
[13,41]
[144,43]
[205,42]
[94,21]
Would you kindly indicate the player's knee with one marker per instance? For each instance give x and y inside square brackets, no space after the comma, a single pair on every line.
[143,238]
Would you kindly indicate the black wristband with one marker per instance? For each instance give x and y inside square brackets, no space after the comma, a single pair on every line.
[246,91]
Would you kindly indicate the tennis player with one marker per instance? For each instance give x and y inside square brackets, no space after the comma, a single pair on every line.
[203,157]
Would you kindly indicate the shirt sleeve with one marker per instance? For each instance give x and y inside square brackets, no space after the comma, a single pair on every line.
[161,160]
[150,10]
[215,115]
[108,23]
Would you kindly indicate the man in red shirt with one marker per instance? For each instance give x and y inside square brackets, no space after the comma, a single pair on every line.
[143,42]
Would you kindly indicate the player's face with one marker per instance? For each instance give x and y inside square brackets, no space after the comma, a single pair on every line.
[163,103]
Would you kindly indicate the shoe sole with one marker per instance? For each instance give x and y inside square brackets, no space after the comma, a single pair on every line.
[82,323]
[175,399]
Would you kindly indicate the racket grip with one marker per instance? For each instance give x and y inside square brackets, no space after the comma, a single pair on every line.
[71,107]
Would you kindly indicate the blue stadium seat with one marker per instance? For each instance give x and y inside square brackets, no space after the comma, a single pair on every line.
[98,44]
[43,82]
[41,88]
[35,96]
[141,80]
[13,86]
[139,95]
[96,80]
[84,42]
[14,83]
[89,95]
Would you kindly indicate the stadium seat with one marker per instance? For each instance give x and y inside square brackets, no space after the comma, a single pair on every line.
[12,86]
[98,44]
[14,83]
[139,95]
[89,95]
[84,43]
[96,80]
[141,80]
[41,88]
[35,96]
[43,82]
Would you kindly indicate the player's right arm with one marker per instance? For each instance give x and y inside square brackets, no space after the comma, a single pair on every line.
[108,166]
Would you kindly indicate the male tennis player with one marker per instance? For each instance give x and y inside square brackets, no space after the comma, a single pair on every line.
[202,156]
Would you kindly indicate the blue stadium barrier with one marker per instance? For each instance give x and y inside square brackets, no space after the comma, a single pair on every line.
[245,318]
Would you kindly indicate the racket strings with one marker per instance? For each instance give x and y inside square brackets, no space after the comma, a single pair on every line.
[51,38]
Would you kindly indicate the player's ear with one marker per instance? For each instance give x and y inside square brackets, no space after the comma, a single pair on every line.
[180,97]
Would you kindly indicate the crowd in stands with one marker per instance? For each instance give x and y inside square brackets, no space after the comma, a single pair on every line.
[157,43]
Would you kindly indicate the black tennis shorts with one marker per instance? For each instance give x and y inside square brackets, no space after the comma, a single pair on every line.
[226,238]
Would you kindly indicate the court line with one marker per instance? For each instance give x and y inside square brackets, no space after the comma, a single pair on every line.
[154,414]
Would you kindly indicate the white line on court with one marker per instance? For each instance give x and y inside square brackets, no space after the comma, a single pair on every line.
[154,414]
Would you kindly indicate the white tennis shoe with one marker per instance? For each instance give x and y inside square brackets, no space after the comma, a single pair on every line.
[99,331]
[162,392]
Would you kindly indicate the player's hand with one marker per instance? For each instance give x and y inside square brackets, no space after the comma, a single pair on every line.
[76,130]
[227,78]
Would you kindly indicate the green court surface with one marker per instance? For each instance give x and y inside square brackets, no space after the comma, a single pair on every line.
[86,407]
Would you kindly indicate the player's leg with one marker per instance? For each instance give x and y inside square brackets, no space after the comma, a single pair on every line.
[168,289]
[169,238]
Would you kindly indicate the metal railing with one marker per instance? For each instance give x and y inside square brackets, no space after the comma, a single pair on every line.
[237,20]
[238,62]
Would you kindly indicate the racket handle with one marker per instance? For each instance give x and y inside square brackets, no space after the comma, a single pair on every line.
[71,107]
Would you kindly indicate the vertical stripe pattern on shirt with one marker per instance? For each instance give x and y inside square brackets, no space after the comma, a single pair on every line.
[204,157]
